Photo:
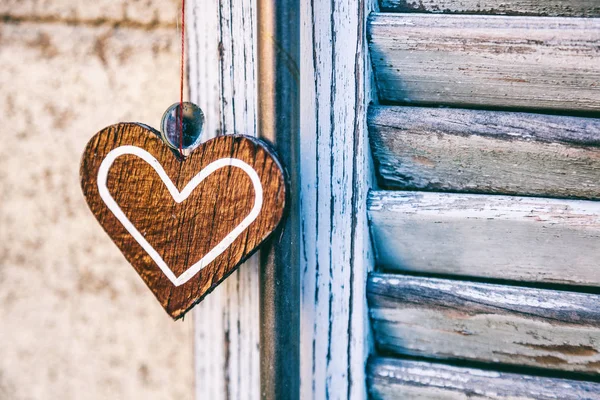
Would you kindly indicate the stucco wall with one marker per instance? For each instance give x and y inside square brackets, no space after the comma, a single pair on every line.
[76,322]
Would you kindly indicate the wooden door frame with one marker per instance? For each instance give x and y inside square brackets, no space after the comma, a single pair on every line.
[335,176]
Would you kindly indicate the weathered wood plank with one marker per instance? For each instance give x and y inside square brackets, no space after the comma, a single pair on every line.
[515,238]
[222,80]
[548,8]
[335,181]
[391,379]
[487,61]
[487,323]
[486,152]
[335,177]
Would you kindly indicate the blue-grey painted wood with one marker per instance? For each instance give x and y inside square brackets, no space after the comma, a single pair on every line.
[553,8]
[503,237]
[335,175]
[397,379]
[486,152]
[467,61]
[445,319]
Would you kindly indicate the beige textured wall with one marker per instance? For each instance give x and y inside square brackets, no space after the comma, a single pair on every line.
[76,322]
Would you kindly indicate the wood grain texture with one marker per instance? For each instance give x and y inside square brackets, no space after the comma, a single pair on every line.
[396,379]
[486,151]
[487,61]
[502,237]
[548,8]
[183,233]
[222,80]
[335,176]
[487,323]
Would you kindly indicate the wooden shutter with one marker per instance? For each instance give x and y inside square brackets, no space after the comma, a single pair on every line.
[486,221]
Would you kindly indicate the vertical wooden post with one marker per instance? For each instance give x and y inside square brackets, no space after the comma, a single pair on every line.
[222,80]
[336,176]
[279,122]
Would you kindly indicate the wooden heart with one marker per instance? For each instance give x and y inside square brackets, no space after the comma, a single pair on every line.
[183,225]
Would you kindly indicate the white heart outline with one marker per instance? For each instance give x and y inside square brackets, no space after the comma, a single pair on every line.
[178,197]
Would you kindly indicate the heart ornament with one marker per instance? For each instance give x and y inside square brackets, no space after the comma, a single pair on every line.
[183,225]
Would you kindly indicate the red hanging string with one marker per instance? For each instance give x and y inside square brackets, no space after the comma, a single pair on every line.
[182,76]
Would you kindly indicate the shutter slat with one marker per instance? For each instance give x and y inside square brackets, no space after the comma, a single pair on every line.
[487,61]
[486,152]
[502,237]
[461,320]
[556,8]
[395,379]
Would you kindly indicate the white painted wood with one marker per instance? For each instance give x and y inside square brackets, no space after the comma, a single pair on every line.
[335,177]
[222,81]
[448,319]
[487,61]
[392,379]
[478,151]
[502,237]
[555,8]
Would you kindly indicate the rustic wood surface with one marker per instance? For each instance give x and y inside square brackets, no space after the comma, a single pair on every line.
[336,176]
[550,8]
[222,81]
[515,238]
[487,61]
[487,323]
[486,151]
[183,233]
[395,379]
